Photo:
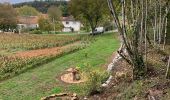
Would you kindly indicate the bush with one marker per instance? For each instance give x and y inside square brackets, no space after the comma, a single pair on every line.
[95,80]
[36,32]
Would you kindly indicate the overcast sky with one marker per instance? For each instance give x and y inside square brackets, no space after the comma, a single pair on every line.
[15,1]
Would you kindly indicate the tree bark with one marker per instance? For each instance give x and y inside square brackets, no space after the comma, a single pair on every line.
[141,36]
[155,27]
[146,17]
[132,12]
[168,69]
[160,23]
[54,24]
[166,25]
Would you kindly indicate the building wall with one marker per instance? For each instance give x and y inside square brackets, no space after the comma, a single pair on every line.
[25,26]
[76,25]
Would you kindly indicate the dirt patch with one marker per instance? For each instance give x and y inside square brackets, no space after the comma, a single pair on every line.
[43,52]
[40,52]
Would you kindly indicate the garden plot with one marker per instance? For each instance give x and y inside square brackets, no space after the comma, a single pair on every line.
[20,52]
[15,42]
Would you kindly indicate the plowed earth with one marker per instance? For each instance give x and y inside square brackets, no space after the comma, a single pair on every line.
[44,52]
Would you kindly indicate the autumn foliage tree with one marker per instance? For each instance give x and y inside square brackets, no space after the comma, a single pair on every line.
[8,17]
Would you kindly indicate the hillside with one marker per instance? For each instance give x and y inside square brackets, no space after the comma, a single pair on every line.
[42,6]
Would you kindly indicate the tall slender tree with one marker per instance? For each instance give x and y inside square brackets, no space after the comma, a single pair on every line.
[55,15]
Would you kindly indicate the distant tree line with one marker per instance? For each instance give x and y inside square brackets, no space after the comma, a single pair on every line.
[43,5]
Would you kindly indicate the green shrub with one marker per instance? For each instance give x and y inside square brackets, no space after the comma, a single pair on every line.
[36,32]
[95,79]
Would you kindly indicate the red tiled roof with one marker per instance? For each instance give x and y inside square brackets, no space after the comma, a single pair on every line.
[34,19]
[70,18]
[28,20]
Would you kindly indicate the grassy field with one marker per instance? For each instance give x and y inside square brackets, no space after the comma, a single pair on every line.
[42,80]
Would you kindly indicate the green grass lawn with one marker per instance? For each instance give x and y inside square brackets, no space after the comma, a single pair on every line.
[42,80]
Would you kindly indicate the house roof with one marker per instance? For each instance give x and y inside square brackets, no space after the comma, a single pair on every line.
[34,19]
[28,20]
[69,18]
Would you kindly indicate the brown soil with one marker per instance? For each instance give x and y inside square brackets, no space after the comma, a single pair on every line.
[43,52]
[40,52]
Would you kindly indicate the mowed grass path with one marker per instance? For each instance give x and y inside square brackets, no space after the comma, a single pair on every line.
[41,81]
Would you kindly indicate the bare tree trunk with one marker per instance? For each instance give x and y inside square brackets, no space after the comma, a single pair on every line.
[142,22]
[124,19]
[160,23]
[155,26]
[166,24]
[146,17]
[154,33]
[54,24]
[168,69]
[117,22]
[132,11]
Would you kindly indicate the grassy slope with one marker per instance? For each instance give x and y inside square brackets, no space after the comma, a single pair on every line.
[41,81]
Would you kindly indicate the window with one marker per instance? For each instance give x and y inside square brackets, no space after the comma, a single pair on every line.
[67,22]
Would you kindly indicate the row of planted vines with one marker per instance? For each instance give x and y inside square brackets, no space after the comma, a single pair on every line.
[29,42]
[15,63]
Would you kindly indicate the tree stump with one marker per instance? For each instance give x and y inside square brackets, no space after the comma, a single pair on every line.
[75,74]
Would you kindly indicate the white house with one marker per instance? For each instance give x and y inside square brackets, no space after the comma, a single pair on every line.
[70,24]
[30,22]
